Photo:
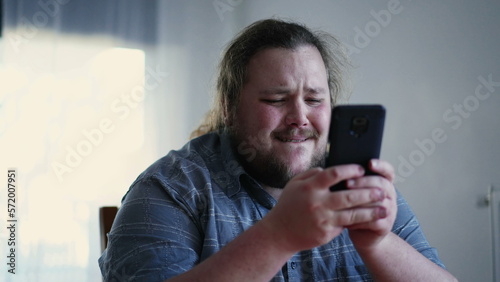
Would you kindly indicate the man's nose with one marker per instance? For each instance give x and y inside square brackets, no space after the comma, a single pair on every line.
[297,114]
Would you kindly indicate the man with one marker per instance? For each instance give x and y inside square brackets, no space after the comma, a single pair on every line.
[248,200]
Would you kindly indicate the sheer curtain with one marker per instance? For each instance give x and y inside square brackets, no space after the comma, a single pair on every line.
[72,125]
[91,93]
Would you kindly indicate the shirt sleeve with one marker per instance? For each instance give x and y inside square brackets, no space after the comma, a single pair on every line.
[408,228]
[154,236]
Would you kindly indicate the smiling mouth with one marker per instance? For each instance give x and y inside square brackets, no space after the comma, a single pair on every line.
[295,135]
[292,140]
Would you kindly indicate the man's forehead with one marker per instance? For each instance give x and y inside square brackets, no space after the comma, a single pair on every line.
[283,50]
[275,62]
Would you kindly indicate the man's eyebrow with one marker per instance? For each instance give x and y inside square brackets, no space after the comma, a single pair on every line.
[315,90]
[285,90]
[275,90]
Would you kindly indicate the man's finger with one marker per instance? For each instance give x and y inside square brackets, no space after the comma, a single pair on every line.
[354,198]
[352,217]
[383,168]
[373,181]
[336,174]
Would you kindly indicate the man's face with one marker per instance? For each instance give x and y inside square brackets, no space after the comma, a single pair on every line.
[281,123]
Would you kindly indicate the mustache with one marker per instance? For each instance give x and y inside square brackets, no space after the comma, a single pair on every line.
[289,133]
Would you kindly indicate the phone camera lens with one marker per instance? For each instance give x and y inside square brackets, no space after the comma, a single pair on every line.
[359,125]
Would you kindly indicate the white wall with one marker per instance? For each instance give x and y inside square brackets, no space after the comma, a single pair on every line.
[423,64]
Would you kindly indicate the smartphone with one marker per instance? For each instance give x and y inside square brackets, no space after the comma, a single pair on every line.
[355,136]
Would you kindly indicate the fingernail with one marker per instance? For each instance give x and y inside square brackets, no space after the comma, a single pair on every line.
[374,163]
[378,194]
[361,170]
[382,213]
[350,182]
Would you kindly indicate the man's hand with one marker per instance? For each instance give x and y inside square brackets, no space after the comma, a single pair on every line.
[367,235]
[308,214]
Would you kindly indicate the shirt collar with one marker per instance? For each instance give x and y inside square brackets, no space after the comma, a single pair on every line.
[232,168]
[238,175]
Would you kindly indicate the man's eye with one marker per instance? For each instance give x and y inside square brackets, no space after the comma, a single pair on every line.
[314,101]
[273,101]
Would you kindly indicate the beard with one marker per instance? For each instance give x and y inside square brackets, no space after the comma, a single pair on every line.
[266,166]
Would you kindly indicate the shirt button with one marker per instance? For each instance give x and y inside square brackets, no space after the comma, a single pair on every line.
[293,265]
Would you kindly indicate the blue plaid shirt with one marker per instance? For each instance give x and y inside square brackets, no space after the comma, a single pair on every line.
[192,202]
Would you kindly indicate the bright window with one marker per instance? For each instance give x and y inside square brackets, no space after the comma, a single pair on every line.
[72,125]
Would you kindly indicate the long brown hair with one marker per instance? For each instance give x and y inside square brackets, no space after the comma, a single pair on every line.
[270,33]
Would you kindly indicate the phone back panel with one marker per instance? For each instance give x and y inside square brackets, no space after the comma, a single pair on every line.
[355,134]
